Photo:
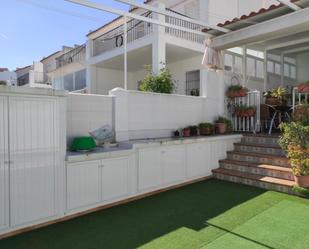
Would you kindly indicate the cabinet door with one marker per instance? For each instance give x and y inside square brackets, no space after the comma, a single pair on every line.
[82,184]
[149,169]
[114,178]
[197,158]
[34,154]
[4,181]
[173,164]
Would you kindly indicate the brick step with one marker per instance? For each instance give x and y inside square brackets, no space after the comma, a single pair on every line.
[259,169]
[258,158]
[259,148]
[266,182]
[260,139]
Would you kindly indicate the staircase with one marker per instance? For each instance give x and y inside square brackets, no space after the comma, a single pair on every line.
[258,161]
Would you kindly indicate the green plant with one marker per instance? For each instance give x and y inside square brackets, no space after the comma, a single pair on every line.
[295,141]
[235,91]
[206,126]
[226,121]
[301,114]
[278,93]
[302,191]
[3,83]
[162,83]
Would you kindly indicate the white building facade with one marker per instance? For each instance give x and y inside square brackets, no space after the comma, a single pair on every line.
[149,44]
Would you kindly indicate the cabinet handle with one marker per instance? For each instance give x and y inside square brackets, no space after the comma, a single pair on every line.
[101,166]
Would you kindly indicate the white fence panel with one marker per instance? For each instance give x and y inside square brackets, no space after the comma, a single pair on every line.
[4,180]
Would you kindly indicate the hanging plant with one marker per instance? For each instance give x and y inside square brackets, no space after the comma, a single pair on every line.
[236,91]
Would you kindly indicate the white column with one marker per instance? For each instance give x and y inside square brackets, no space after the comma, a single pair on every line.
[159,44]
[90,69]
[121,114]
[244,66]
[265,70]
[282,68]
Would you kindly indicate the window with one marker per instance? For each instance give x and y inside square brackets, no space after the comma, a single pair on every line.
[80,80]
[270,67]
[68,82]
[193,83]
[71,82]
[255,64]
[251,67]
[238,64]
[228,61]
[278,68]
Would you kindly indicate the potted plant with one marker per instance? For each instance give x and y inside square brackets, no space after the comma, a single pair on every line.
[206,129]
[295,142]
[193,130]
[186,132]
[244,111]
[276,96]
[236,91]
[304,87]
[223,125]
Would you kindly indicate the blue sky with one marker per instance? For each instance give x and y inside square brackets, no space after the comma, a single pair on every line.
[31,29]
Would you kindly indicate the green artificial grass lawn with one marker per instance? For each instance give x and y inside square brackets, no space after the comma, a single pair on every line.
[205,215]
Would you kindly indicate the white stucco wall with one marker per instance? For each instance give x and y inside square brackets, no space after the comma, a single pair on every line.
[86,113]
[149,115]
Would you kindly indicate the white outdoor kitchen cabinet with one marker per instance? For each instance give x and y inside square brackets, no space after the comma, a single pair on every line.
[90,183]
[198,157]
[160,166]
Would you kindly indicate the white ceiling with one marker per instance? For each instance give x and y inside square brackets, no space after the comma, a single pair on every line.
[140,57]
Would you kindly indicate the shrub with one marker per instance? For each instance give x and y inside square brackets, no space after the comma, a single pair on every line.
[301,114]
[3,83]
[295,141]
[162,83]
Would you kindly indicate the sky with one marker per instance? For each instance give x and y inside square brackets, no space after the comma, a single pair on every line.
[32,29]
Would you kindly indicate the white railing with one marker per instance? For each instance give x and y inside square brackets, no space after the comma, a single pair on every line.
[299,98]
[185,24]
[246,124]
[136,29]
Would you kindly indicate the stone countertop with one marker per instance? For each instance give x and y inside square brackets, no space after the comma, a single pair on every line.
[140,143]
[127,148]
[123,149]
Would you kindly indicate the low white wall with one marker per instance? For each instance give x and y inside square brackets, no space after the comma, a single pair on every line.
[149,115]
[87,112]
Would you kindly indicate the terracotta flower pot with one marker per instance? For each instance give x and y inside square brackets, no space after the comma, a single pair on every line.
[302,181]
[186,132]
[221,128]
[273,101]
[206,131]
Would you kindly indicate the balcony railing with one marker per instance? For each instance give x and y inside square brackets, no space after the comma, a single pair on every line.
[77,54]
[185,24]
[136,29]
